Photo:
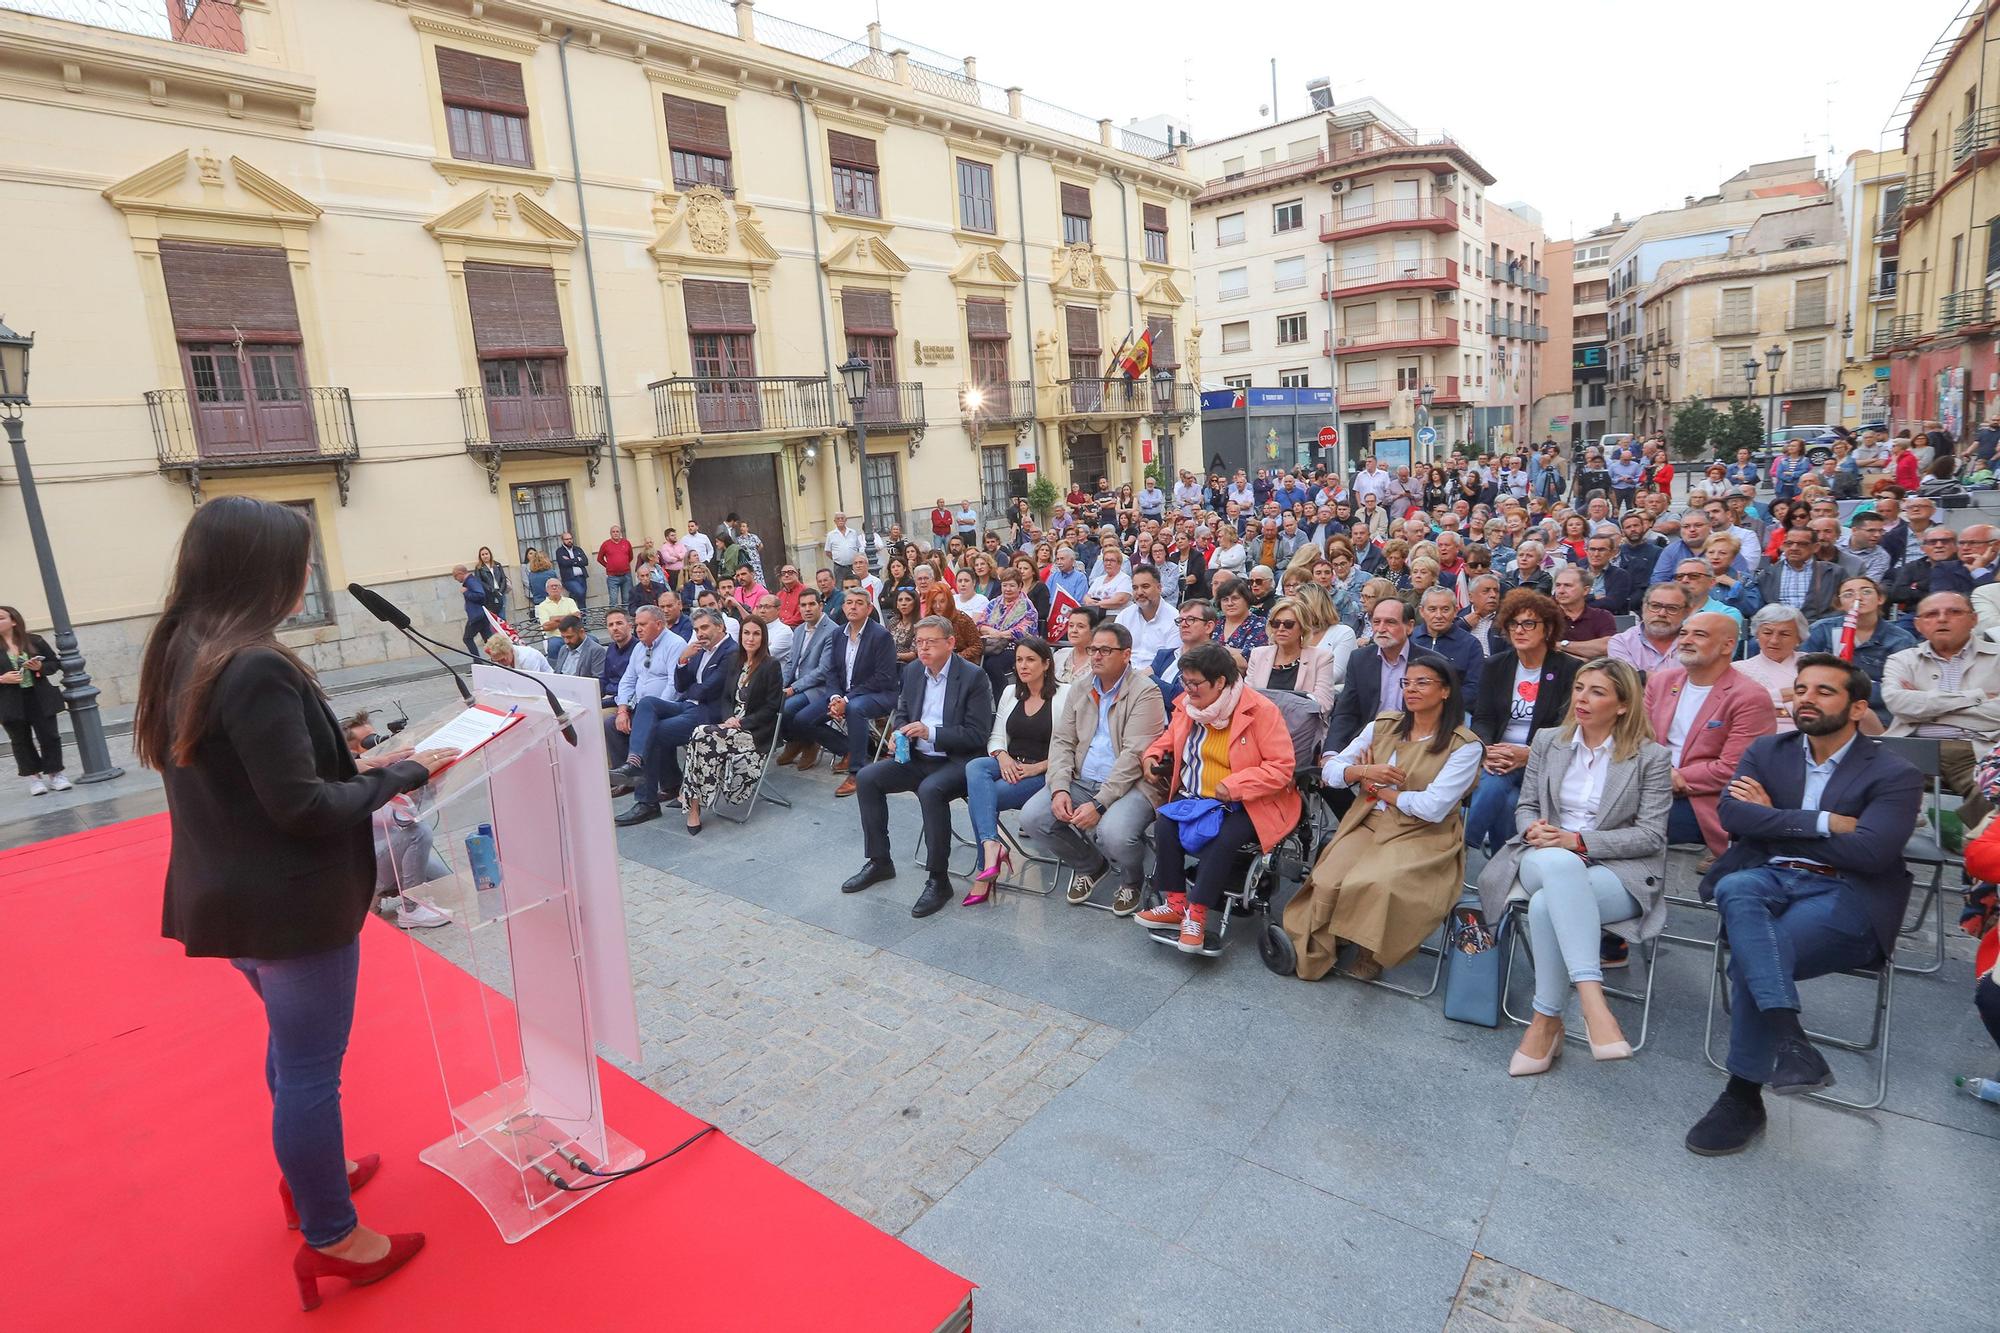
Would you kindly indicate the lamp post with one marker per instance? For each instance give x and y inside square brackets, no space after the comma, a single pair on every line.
[1425,396]
[79,695]
[1163,394]
[854,383]
[1774,356]
[1751,366]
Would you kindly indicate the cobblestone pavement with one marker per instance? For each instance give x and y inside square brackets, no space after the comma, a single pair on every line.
[877,1080]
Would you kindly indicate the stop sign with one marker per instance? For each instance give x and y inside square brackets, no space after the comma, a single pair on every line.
[1327,437]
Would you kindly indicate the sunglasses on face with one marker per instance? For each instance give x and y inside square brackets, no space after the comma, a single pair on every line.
[1284,624]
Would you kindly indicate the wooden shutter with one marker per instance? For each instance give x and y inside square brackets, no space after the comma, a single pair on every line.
[1155,216]
[986,319]
[1081,321]
[474,80]
[1162,329]
[219,291]
[1075,200]
[697,127]
[717,307]
[850,150]
[514,310]
[866,311]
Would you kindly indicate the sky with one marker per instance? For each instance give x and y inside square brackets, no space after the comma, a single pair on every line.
[1581,108]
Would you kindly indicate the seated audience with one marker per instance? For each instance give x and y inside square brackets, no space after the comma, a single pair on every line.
[1648,645]
[1240,628]
[644,691]
[579,655]
[1196,623]
[1706,715]
[944,713]
[965,634]
[1002,625]
[1779,630]
[807,681]
[1149,616]
[1948,688]
[726,758]
[1374,674]
[1440,631]
[1073,654]
[862,677]
[1093,813]
[1813,882]
[1397,863]
[1798,578]
[1591,827]
[1225,744]
[617,655]
[505,652]
[703,680]
[1526,688]
[1582,619]
[1016,761]
[1286,663]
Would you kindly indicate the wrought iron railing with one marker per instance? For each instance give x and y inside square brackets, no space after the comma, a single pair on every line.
[688,405]
[292,426]
[1980,130]
[1918,187]
[1012,401]
[1125,397]
[893,406]
[1958,309]
[571,417]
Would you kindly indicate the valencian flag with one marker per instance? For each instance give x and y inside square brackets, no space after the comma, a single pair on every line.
[1847,629]
[1060,605]
[1140,359]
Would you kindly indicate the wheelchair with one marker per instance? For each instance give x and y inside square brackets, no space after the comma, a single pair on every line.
[1267,880]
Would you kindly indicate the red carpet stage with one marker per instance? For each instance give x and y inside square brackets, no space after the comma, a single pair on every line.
[141,1192]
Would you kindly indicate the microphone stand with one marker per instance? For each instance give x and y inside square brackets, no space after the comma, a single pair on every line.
[463,691]
[555,704]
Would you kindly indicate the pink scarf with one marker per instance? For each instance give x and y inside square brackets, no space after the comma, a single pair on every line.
[1216,716]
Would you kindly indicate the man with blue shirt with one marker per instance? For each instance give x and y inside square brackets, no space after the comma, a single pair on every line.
[705,680]
[1625,474]
[645,691]
[1441,633]
[1065,575]
[617,654]
[1692,544]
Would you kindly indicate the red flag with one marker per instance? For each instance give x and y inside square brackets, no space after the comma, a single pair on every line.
[1140,359]
[1060,605]
[1847,629]
[500,626]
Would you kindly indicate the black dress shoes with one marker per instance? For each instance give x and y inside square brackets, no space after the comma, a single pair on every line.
[937,893]
[639,813]
[871,872]
[1729,1127]
[1799,1068]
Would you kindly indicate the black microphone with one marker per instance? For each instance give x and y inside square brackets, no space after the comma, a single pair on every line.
[387,612]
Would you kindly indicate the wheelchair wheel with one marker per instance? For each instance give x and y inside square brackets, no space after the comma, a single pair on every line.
[1275,948]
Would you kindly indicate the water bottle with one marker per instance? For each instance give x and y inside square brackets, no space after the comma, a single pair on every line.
[1985,1089]
[902,748]
[482,855]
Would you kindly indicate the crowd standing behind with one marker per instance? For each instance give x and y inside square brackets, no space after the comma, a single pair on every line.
[1561,666]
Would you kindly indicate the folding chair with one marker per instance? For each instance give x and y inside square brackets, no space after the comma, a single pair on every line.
[1694,904]
[1436,951]
[1926,847]
[1517,908]
[763,776]
[1884,976]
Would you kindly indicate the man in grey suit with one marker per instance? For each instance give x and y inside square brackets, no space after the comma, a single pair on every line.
[579,655]
[1798,578]
[806,667]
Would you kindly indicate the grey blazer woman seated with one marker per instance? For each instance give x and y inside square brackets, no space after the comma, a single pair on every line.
[1588,851]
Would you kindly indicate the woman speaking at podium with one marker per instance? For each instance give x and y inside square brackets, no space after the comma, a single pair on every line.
[273,863]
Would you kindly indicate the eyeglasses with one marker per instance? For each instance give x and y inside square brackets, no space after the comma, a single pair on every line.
[1524,622]
[1690,578]
[1190,620]
[1283,624]
[1102,650]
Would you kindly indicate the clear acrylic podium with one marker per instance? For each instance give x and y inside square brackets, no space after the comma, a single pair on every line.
[517,1051]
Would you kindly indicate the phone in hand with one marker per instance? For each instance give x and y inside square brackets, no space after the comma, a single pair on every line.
[1162,766]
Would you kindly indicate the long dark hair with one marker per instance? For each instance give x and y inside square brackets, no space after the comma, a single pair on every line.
[1040,648]
[21,643]
[1444,671]
[751,661]
[241,568]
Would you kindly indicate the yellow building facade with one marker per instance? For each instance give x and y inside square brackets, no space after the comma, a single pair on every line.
[341,255]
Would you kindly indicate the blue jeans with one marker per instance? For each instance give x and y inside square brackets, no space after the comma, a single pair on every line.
[986,796]
[577,588]
[309,1005]
[617,589]
[1489,822]
[1683,829]
[1784,926]
[647,714]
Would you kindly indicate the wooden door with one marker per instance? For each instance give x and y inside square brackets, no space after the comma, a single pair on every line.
[749,486]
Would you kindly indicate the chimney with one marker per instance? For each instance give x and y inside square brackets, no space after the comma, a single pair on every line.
[1320,91]
[1689,203]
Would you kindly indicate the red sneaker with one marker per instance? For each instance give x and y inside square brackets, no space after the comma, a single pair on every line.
[1194,930]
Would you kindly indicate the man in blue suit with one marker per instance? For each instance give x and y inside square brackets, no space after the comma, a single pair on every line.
[1813,882]
[944,715]
[861,681]
[806,675]
[705,681]
[1374,681]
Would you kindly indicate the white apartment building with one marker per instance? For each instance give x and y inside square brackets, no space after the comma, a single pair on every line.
[1346,248]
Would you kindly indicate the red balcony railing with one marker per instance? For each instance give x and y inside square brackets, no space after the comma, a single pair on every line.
[1433,272]
[1354,219]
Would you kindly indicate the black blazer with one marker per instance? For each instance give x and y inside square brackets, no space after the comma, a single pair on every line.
[875,664]
[968,707]
[1617,598]
[1496,688]
[1880,788]
[273,855]
[1360,698]
[763,697]
[42,699]
[713,691]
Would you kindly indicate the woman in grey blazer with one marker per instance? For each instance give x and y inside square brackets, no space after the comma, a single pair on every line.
[1592,828]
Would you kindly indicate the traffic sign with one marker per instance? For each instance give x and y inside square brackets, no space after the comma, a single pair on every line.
[1427,436]
[1327,437]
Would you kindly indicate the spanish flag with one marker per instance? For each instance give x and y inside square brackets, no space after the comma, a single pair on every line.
[1140,359]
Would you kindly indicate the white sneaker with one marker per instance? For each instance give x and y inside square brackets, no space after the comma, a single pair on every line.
[57,782]
[413,915]
[35,787]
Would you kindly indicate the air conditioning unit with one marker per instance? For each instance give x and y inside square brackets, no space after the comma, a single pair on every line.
[1447,180]
[1345,340]
[1339,187]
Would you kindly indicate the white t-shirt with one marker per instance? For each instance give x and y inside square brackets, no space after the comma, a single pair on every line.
[972,605]
[1111,586]
[1521,704]
[1692,698]
[1150,637]
[699,546]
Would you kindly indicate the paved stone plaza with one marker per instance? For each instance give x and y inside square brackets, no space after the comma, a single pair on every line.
[1105,1134]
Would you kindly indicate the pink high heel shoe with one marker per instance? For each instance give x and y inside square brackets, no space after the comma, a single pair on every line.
[987,877]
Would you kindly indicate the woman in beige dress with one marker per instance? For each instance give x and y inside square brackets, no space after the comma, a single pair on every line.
[1397,863]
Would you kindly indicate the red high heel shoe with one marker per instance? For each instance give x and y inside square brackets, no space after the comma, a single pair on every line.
[363,1172]
[309,1266]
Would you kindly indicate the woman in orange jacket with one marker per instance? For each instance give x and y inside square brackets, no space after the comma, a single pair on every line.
[1226,743]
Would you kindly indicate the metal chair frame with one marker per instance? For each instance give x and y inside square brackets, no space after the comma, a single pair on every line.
[1517,910]
[763,776]
[1884,976]
[1926,850]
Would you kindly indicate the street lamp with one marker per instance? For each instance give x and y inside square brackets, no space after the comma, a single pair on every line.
[79,695]
[1425,396]
[1774,356]
[1163,394]
[854,382]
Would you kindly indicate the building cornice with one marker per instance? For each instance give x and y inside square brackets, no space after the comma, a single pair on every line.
[1724,274]
[680,50]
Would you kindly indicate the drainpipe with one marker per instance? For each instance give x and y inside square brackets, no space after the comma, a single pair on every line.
[590,279]
[819,281]
[1028,303]
[1125,243]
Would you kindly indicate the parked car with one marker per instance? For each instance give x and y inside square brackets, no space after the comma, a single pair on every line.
[1819,445]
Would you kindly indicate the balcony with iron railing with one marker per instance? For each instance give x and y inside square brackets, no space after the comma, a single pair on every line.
[259,426]
[1882,287]
[1378,140]
[566,420]
[893,405]
[1435,272]
[1905,329]
[1918,187]
[1889,222]
[1977,133]
[1116,396]
[1957,310]
[1352,219]
[685,406]
[1809,315]
[1008,403]
[1396,333]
